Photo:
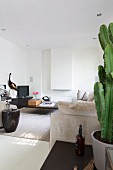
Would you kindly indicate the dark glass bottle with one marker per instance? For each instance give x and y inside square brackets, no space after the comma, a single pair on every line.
[80,142]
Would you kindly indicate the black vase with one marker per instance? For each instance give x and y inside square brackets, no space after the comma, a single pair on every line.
[10,119]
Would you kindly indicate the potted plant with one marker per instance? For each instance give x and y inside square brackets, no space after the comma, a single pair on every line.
[103,95]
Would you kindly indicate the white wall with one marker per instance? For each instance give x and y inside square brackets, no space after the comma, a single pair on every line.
[46,79]
[84,74]
[37,65]
[61,68]
[34,71]
[12,59]
[85,67]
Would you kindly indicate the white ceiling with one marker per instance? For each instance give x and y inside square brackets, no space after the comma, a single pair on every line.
[53,23]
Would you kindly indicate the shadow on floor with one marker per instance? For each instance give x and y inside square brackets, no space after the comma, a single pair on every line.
[37,111]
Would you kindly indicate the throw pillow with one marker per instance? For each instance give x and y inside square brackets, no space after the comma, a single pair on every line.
[84,98]
[90,97]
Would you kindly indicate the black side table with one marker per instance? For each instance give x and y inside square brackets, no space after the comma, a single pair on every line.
[63,157]
[10,119]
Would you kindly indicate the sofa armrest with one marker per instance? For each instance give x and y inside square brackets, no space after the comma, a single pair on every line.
[64,127]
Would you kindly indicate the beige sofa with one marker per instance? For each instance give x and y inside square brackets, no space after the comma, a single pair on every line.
[65,122]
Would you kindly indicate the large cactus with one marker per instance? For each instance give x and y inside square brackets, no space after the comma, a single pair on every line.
[103,90]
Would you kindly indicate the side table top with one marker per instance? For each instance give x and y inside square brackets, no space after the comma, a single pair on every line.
[63,157]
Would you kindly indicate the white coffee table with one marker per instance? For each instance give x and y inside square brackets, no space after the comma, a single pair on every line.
[22,154]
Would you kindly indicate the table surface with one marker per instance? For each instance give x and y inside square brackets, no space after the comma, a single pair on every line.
[45,107]
[23,102]
[63,157]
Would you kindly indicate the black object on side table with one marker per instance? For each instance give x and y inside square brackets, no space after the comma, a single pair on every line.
[63,157]
[10,119]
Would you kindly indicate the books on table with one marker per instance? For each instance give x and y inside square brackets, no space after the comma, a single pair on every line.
[47,104]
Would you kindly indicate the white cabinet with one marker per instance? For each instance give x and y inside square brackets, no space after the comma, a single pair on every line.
[61,68]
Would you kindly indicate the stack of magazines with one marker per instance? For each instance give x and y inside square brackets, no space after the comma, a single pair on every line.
[47,104]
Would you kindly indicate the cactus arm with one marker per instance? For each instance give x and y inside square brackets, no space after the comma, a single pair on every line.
[109,112]
[111,74]
[99,101]
[103,110]
[101,74]
[109,91]
[103,36]
[110,29]
[108,55]
[101,42]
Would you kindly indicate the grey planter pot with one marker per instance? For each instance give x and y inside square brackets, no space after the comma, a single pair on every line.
[99,152]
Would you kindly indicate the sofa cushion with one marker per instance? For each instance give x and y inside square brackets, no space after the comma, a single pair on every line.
[90,97]
[77,108]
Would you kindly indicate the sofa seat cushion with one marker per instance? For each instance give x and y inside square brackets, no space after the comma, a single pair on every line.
[77,108]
